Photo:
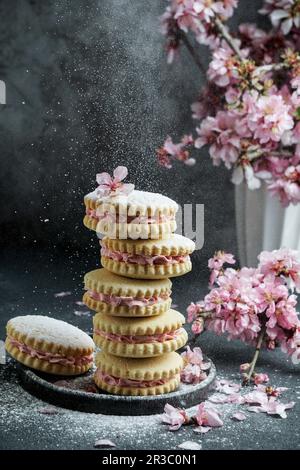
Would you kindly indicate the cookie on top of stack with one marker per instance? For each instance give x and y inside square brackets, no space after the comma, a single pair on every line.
[134,325]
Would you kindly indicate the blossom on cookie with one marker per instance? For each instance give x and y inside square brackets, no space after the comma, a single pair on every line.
[113,186]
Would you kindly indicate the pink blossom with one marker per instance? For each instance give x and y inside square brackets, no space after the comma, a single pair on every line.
[270,119]
[192,374]
[219,259]
[284,262]
[198,326]
[283,14]
[194,367]
[284,315]
[216,263]
[192,356]
[272,407]
[223,69]
[287,186]
[193,310]
[207,415]
[112,186]
[260,378]
[175,417]
[170,151]
[221,133]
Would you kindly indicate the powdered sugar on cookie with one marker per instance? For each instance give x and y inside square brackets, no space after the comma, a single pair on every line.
[51,330]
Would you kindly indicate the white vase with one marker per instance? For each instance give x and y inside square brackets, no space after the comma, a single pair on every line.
[263,224]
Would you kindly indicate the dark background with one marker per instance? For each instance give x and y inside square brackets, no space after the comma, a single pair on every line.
[88,87]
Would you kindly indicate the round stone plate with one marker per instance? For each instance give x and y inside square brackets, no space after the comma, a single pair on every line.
[80,394]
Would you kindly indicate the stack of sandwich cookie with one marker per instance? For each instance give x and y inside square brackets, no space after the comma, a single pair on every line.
[134,325]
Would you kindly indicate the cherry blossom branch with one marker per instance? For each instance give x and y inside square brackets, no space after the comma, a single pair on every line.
[192,52]
[269,68]
[228,38]
[248,375]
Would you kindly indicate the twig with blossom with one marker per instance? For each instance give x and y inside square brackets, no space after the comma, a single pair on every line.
[249,111]
[254,305]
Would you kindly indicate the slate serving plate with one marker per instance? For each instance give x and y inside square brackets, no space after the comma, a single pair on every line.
[72,394]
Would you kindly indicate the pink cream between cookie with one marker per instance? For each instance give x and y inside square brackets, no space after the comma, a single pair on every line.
[128,301]
[119,382]
[140,339]
[50,357]
[156,260]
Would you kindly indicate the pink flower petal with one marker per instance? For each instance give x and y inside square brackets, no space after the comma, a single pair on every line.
[104,179]
[126,189]
[190,445]
[120,173]
[104,443]
[239,416]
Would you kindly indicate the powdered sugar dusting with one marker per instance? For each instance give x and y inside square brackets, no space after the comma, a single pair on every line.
[144,198]
[51,330]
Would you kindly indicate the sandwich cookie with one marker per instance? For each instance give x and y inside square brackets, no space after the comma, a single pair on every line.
[139,214]
[150,376]
[140,337]
[124,297]
[49,345]
[147,259]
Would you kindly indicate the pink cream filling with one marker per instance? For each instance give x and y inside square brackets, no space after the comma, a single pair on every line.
[139,339]
[50,357]
[128,301]
[143,259]
[111,380]
[120,218]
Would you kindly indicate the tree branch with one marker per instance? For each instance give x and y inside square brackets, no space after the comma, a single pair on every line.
[228,38]
[193,53]
[248,376]
[268,68]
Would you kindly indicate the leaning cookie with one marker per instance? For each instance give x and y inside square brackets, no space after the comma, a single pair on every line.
[147,259]
[140,337]
[124,297]
[49,345]
[138,215]
[150,376]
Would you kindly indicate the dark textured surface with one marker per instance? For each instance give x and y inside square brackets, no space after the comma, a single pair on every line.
[28,283]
